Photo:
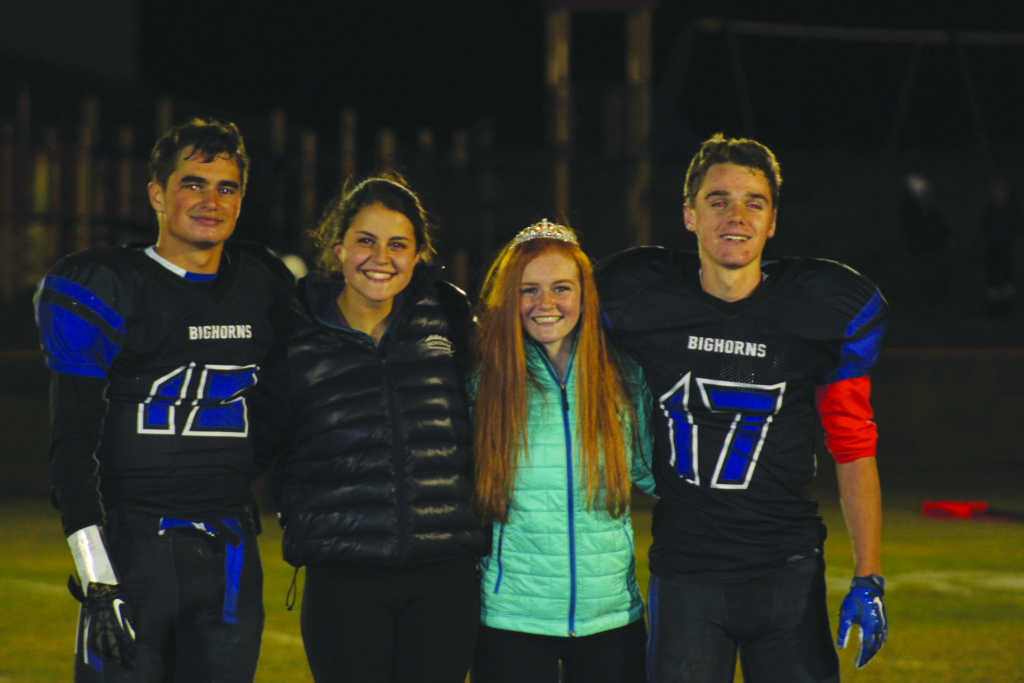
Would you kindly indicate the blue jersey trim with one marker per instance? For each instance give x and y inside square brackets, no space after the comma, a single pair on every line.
[866,315]
[857,356]
[83,296]
[73,344]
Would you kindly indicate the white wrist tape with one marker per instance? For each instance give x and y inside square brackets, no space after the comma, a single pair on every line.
[90,554]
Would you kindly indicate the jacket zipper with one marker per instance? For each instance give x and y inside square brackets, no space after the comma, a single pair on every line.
[567,429]
[572,510]
[399,436]
[501,541]
[398,441]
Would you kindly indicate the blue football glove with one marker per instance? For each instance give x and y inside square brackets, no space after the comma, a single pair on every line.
[863,605]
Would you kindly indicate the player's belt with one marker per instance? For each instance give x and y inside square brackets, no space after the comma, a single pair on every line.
[229,531]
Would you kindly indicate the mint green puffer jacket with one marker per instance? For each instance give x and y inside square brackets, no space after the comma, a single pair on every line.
[556,568]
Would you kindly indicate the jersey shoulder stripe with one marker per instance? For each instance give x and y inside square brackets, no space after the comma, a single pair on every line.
[77,339]
[81,307]
[854,299]
[57,288]
[865,336]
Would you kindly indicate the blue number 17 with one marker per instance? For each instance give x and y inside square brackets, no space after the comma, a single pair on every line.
[751,407]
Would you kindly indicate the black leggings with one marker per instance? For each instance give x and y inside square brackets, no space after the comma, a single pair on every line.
[418,624]
[613,656]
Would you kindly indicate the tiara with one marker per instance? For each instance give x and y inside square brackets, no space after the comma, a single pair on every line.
[546,230]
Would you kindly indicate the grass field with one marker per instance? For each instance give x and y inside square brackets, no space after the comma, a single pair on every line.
[955,597]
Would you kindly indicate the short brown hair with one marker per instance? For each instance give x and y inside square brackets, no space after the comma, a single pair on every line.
[206,137]
[740,151]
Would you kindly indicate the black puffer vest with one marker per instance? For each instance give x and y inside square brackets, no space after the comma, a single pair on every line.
[378,470]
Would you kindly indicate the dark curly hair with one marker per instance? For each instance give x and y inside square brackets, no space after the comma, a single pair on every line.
[389,190]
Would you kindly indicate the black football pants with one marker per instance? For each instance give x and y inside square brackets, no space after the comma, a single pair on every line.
[777,623]
[197,604]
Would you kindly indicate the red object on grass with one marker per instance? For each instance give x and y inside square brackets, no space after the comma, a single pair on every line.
[960,509]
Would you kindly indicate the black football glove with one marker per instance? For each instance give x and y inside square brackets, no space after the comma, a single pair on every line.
[107,624]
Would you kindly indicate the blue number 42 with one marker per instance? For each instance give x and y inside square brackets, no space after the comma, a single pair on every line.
[750,409]
[214,395]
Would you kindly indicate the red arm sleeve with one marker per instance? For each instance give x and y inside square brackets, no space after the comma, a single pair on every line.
[846,416]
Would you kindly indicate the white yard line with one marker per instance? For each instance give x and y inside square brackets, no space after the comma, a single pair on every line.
[37,586]
[949,583]
[282,638]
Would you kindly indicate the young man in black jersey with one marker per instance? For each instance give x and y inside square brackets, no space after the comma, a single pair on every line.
[155,354]
[746,356]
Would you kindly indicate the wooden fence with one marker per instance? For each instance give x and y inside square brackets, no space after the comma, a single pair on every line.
[69,187]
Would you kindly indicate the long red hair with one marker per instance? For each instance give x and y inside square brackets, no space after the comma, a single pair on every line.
[604,408]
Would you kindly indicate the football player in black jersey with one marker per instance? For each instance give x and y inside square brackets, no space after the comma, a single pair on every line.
[745,357]
[155,354]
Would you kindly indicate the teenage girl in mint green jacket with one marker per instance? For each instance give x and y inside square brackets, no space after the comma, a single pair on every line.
[559,586]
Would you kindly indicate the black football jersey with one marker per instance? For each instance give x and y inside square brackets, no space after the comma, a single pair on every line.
[734,382]
[152,379]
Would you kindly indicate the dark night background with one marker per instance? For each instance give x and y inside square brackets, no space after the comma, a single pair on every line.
[838,113]
[446,64]
[849,116]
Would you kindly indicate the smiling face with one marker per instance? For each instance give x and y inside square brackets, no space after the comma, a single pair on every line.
[377,255]
[732,217]
[198,208]
[550,299]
